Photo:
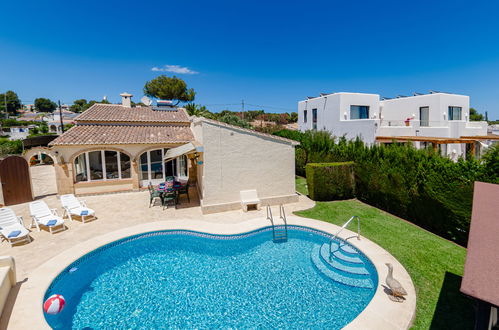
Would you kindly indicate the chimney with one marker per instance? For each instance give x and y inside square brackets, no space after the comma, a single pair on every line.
[126,100]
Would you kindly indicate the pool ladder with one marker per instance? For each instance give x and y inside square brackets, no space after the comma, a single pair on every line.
[279,232]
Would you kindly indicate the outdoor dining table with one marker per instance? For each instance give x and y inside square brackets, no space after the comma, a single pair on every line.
[166,188]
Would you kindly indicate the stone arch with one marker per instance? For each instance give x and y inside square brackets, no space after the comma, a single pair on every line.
[162,146]
[28,154]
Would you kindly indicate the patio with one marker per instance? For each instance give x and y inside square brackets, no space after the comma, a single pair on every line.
[114,212]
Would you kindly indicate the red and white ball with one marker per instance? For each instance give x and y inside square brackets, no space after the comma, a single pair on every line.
[54,304]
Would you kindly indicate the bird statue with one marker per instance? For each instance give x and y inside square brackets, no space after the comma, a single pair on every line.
[397,291]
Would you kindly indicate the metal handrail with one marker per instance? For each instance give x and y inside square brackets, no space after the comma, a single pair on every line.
[341,229]
[271,218]
[282,215]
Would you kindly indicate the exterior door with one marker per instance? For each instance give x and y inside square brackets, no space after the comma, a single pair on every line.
[16,182]
[424,116]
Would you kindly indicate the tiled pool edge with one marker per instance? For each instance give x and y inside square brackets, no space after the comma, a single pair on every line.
[380,312]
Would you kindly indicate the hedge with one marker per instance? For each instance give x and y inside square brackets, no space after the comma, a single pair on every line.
[418,185]
[330,181]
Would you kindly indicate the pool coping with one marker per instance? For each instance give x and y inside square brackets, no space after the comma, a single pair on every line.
[381,312]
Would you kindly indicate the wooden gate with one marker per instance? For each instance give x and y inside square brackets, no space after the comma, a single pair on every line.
[16,181]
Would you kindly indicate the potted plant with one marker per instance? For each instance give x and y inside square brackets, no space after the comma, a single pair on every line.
[408,121]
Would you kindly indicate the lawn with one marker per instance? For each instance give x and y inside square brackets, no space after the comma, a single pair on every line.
[301,185]
[435,264]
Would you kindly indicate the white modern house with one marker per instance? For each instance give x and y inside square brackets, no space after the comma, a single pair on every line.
[440,119]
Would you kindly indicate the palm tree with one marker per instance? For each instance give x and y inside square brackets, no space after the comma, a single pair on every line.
[197,110]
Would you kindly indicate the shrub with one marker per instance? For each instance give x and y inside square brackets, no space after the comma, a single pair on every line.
[330,181]
[10,147]
[419,185]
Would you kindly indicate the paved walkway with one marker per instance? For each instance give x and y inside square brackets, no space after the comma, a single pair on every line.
[114,211]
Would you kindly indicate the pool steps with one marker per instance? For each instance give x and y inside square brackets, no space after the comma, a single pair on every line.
[343,267]
[358,269]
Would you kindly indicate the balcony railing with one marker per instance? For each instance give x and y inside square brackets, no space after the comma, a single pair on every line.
[413,123]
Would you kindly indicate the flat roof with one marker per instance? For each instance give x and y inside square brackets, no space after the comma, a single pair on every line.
[481,270]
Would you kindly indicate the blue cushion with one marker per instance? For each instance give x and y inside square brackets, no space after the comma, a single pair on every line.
[51,222]
[14,233]
[85,212]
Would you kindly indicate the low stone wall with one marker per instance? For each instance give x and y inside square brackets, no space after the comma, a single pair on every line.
[276,200]
[7,278]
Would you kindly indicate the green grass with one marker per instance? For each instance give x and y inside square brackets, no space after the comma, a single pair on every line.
[435,264]
[301,185]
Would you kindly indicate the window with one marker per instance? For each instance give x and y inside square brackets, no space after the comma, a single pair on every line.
[424,116]
[154,170]
[111,161]
[305,116]
[182,166]
[314,119]
[156,164]
[95,164]
[125,166]
[455,113]
[101,165]
[144,170]
[81,168]
[359,112]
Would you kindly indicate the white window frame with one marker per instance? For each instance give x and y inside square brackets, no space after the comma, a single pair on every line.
[177,173]
[104,173]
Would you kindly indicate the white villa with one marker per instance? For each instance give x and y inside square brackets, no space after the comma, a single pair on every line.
[117,147]
[440,119]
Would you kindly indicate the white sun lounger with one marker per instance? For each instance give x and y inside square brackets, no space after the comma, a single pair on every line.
[12,227]
[249,197]
[74,207]
[41,214]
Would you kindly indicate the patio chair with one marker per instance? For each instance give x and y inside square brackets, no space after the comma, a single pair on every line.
[41,214]
[153,194]
[184,190]
[168,198]
[249,197]
[12,227]
[74,207]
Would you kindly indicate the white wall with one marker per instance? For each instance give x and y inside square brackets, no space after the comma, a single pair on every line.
[399,109]
[236,160]
[387,117]
[333,115]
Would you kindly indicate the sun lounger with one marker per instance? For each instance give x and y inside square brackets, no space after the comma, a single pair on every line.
[74,207]
[249,197]
[41,214]
[12,227]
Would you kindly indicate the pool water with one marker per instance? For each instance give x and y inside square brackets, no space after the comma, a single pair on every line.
[182,279]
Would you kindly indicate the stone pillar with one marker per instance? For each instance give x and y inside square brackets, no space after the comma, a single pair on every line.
[193,171]
[64,178]
[134,174]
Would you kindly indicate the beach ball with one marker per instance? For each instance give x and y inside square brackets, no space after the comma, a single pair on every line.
[54,304]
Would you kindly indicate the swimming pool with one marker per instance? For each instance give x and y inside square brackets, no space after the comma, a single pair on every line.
[185,279]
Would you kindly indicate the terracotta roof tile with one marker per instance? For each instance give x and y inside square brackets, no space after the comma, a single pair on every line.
[119,113]
[123,134]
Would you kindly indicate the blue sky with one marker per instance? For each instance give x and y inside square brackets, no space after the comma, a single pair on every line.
[271,53]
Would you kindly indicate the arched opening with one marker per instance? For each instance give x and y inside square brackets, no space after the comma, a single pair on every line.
[101,165]
[40,158]
[152,168]
[53,128]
